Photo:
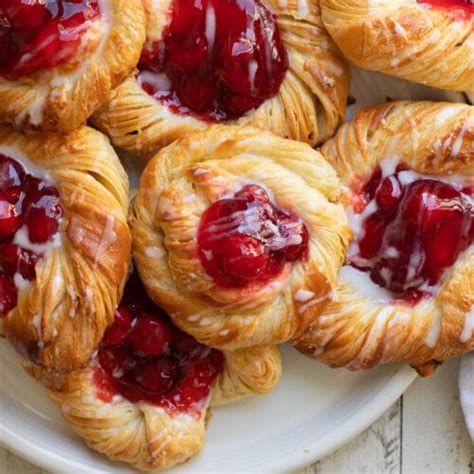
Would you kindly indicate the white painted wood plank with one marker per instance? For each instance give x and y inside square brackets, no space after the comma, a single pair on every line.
[434,437]
[11,464]
[377,450]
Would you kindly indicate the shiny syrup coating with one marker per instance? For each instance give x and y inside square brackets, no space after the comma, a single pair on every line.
[144,357]
[28,206]
[245,240]
[457,9]
[36,35]
[416,232]
[218,59]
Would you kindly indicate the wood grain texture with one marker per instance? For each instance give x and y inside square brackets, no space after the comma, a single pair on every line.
[422,433]
[435,438]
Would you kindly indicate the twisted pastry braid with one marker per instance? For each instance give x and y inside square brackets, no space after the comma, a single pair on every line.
[308,107]
[61,315]
[356,330]
[406,39]
[62,98]
[145,435]
[176,188]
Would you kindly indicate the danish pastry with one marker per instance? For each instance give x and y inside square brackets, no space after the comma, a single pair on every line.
[59,59]
[145,397]
[267,64]
[425,41]
[64,243]
[238,236]
[406,292]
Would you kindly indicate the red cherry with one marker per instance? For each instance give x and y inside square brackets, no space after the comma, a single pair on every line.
[10,220]
[295,235]
[196,93]
[25,16]
[39,35]
[11,173]
[242,256]
[389,193]
[8,298]
[118,332]
[16,259]
[115,360]
[185,347]
[189,58]
[157,375]
[223,58]
[151,335]
[42,215]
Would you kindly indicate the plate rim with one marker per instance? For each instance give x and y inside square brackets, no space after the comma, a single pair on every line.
[402,378]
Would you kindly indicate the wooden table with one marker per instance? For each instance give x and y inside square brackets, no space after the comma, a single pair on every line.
[423,432]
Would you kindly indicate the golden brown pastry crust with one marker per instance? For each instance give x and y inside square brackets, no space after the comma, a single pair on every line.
[61,316]
[60,100]
[143,434]
[181,181]
[309,106]
[404,39]
[356,331]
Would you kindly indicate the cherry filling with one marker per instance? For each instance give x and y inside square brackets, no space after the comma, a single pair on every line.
[41,34]
[245,240]
[29,217]
[143,357]
[459,9]
[413,229]
[218,59]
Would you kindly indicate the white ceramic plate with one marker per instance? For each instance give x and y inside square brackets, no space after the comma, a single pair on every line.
[313,411]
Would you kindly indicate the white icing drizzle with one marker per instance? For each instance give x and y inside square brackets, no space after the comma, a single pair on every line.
[303,295]
[468,328]
[435,330]
[445,114]
[154,252]
[458,142]
[361,282]
[210,31]
[108,238]
[303,8]
[160,82]
[399,30]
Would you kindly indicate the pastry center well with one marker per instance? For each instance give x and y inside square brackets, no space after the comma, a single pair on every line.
[218,59]
[409,229]
[245,239]
[144,357]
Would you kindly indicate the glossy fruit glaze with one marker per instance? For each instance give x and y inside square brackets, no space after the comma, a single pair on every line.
[245,240]
[458,9]
[143,357]
[40,34]
[218,59]
[413,229]
[30,211]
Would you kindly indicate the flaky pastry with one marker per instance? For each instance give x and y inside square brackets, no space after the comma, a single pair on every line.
[429,41]
[406,292]
[145,397]
[60,60]
[299,91]
[64,243]
[237,235]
